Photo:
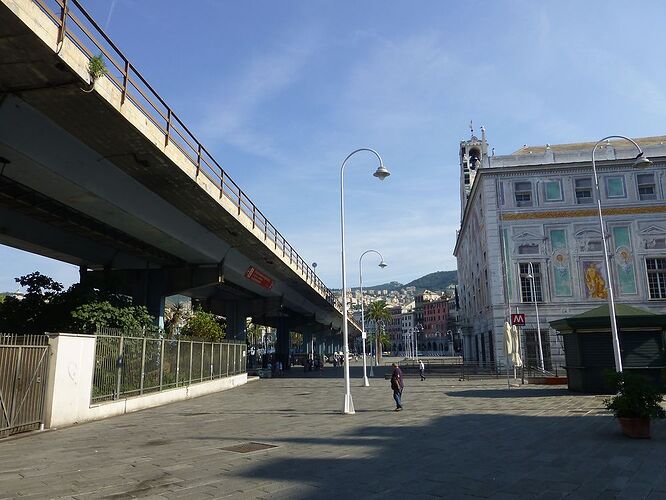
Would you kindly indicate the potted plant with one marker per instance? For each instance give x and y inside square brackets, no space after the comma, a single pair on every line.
[636,403]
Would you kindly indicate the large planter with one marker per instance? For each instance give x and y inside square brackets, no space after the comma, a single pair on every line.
[635,427]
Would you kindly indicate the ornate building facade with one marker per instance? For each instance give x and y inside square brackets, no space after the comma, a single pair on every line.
[530,233]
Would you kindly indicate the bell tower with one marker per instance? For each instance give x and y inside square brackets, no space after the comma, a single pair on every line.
[473,156]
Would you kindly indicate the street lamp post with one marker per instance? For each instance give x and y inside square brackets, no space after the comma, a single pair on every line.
[381,173]
[418,328]
[381,264]
[530,276]
[639,162]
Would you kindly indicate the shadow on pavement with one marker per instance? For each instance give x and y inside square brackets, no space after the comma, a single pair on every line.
[510,456]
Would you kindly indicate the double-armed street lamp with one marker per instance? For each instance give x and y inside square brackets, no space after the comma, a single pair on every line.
[381,264]
[640,161]
[381,173]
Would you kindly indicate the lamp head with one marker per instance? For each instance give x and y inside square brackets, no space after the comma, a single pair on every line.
[381,173]
[641,161]
[383,264]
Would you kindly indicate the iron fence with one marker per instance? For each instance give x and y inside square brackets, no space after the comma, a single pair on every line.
[131,366]
[23,375]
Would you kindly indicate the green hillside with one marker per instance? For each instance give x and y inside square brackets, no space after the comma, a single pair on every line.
[438,280]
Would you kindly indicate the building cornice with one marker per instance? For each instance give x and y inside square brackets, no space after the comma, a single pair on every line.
[585,212]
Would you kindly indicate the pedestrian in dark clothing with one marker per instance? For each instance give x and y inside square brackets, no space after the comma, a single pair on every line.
[397,386]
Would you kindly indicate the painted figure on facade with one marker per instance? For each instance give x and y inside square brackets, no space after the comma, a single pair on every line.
[595,282]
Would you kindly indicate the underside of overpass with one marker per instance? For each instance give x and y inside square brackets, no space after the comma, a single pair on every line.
[88,178]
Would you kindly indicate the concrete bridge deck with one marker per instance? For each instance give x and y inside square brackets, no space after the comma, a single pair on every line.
[109,178]
[453,440]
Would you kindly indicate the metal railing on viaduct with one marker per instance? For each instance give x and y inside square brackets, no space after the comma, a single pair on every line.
[77,25]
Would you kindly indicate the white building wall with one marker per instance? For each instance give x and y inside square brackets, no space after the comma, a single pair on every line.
[479,245]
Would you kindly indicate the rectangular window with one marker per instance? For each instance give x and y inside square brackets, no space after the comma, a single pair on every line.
[615,187]
[656,275]
[530,281]
[646,187]
[523,194]
[584,191]
[552,190]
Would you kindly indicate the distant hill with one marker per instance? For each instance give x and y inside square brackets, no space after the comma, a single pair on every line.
[438,280]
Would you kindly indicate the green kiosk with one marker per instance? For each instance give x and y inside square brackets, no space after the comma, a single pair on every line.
[588,347]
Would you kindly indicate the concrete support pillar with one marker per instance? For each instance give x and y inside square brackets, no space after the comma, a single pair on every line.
[282,343]
[148,288]
[235,314]
[306,344]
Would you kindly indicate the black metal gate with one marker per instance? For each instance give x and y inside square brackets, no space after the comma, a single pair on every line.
[23,373]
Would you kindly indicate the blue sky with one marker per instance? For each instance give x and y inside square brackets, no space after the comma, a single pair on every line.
[281,91]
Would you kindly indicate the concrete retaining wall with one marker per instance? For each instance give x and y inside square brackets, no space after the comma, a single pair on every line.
[71,369]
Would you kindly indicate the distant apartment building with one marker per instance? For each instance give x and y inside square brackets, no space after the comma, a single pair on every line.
[434,319]
[529,232]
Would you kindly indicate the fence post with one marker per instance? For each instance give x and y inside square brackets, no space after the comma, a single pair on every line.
[201,372]
[212,353]
[123,95]
[177,363]
[64,11]
[220,374]
[228,345]
[143,364]
[161,363]
[168,128]
[191,346]
[119,363]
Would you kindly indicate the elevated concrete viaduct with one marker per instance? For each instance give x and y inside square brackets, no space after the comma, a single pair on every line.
[102,174]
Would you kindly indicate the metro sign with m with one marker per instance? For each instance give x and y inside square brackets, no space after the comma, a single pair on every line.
[518,319]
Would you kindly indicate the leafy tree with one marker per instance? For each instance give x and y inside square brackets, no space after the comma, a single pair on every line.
[204,326]
[378,312]
[88,317]
[46,307]
[31,313]
[295,339]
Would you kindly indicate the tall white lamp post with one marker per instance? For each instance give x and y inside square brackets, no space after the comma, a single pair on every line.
[639,162]
[530,276]
[364,335]
[418,328]
[381,173]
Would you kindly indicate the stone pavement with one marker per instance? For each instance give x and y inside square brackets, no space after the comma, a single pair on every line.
[453,440]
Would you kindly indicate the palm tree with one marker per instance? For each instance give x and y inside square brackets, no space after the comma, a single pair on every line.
[175,316]
[379,313]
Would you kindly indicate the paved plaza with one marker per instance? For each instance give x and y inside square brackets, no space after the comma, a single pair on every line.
[453,440]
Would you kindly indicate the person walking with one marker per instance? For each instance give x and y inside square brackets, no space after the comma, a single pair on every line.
[397,386]
[421,370]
